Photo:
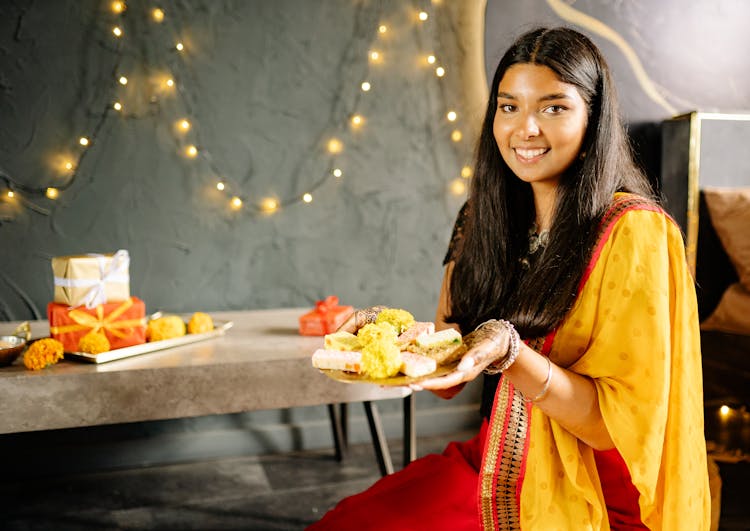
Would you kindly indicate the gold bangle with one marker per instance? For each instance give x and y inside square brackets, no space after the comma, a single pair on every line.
[545,389]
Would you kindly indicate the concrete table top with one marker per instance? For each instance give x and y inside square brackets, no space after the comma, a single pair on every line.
[260,363]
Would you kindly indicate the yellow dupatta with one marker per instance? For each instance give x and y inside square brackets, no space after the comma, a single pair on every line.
[634,331]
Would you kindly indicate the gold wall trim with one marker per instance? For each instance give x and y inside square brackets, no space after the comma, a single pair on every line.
[693,178]
[594,25]
[470,20]
[694,159]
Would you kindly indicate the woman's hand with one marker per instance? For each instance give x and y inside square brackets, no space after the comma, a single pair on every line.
[485,345]
[360,318]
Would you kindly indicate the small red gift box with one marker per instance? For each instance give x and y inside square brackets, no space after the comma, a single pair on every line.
[124,323]
[326,318]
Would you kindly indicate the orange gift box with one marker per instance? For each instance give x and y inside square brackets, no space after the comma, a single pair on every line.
[326,318]
[124,323]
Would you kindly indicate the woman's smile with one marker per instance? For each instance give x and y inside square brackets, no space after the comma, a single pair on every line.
[528,155]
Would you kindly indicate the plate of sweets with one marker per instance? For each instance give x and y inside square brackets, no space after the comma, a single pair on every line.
[395,350]
[161,332]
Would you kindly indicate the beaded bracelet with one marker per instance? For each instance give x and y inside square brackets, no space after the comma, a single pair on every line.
[545,388]
[513,348]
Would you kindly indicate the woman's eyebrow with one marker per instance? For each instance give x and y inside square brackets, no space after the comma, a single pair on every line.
[546,97]
[556,96]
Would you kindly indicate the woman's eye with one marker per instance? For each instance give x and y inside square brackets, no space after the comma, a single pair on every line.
[506,107]
[554,109]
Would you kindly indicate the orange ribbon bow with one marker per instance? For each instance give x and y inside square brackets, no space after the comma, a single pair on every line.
[327,304]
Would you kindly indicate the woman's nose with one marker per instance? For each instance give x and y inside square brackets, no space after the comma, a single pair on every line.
[527,126]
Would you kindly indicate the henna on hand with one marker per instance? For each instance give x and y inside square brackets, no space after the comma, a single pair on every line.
[360,318]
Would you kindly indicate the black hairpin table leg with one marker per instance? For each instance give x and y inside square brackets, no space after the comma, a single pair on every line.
[410,432]
[379,442]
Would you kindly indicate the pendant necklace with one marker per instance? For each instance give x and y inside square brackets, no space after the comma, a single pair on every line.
[537,241]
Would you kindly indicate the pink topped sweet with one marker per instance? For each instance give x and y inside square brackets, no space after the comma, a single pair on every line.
[416,330]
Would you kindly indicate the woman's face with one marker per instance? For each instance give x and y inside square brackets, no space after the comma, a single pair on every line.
[539,123]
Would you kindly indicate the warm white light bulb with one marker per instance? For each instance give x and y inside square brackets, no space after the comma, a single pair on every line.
[118,7]
[440,71]
[366,86]
[451,116]
[191,151]
[179,46]
[307,198]
[466,172]
[335,146]
[357,120]
[383,28]
[423,16]
[337,172]
[458,187]
[431,59]
[123,80]
[158,15]
[724,410]
[456,135]
[184,125]
[236,202]
[269,205]
[52,193]
[170,82]
[11,195]
[374,55]
[68,166]
[117,106]
[83,141]
[117,31]
[220,186]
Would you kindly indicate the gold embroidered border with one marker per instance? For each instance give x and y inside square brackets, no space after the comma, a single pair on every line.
[504,456]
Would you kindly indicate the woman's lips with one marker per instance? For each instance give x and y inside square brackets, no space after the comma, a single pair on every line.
[530,155]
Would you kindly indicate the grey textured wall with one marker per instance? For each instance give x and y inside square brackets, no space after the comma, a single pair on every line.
[265,84]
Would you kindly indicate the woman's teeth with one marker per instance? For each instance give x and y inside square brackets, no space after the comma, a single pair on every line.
[530,153]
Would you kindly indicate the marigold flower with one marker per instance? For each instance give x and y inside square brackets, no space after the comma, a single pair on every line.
[399,319]
[167,327]
[200,323]
[381,358]
[42,353]
[377,333]
[94,343]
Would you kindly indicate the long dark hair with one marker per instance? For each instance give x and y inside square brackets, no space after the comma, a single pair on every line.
[488,280]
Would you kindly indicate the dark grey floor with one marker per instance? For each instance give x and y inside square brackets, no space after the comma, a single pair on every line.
[275,492]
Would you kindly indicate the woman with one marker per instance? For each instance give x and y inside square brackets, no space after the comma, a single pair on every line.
[594,420]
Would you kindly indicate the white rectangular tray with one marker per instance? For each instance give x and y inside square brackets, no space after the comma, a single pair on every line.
[117,354]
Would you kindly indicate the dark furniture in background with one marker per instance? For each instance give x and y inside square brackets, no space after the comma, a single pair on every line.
[702,150]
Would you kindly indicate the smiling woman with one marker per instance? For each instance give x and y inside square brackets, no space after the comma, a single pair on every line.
[581,415]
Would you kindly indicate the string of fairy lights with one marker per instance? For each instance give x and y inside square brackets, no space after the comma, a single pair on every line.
[66,167]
